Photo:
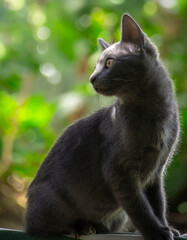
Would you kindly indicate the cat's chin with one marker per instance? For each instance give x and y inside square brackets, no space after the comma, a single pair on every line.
[104,91]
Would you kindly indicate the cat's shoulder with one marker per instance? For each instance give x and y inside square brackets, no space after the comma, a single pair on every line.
[88,123]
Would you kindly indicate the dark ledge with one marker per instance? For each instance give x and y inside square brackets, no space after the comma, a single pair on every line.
[9,234]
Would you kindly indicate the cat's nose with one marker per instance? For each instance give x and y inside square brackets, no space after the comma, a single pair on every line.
[92,78]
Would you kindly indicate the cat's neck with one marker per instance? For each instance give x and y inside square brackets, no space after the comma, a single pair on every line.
[156,89]
[157,97]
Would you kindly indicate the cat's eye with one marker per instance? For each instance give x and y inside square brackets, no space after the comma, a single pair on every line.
[109,62]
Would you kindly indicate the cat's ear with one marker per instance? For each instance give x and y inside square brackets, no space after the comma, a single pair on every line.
[131,32]
[103,44]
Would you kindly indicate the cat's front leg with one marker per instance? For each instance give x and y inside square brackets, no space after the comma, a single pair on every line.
[144,219]
[156,196]
[130,196]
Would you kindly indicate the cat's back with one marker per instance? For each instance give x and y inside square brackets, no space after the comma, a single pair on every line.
[82,135]
[78,149]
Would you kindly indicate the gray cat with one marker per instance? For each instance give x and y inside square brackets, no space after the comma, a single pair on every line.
[111,164]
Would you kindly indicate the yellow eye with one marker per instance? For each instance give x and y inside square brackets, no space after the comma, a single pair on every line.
[109,63]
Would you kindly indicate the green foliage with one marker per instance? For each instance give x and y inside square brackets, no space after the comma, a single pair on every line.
[48,49]
[8,108]
[35,113]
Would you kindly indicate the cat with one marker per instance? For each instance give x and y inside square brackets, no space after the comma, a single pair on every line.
[109,166]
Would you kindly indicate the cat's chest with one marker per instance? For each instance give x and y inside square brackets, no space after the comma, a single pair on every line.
[137,126]
[142,144]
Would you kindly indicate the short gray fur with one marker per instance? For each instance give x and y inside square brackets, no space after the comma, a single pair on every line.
[109,167]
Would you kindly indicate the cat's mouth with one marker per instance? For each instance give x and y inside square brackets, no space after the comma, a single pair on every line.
[104,91]
[99,89]
[96,89]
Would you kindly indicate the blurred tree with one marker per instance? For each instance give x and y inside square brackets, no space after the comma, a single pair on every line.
[47,52]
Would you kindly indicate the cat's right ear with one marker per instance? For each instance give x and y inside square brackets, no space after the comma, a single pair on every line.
[103,44]
[131,32]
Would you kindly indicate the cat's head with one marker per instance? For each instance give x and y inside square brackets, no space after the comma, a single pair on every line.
[122,66]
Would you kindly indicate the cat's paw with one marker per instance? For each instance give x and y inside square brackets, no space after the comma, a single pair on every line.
[89,230]
[84,228]
[175,232]
[163,233]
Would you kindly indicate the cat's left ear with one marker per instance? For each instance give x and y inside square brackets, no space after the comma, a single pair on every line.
[131,32]
[103,44]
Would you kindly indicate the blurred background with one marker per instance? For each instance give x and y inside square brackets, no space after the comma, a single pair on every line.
[48,50]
